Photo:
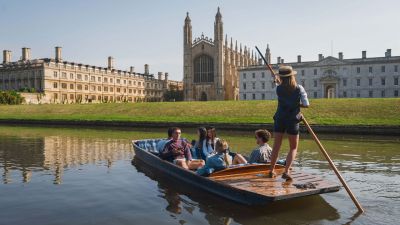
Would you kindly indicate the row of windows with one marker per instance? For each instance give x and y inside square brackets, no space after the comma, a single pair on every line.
[253,85]
[315,71]
[253,75]
[248,96]
[89,69]
[315,83]
[22,72]
[383,69]
[253,96]
[370,81]
[371,94]
[104,80]
[99,88]
[89,98]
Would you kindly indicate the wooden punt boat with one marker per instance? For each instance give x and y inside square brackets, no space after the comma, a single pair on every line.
[247,184]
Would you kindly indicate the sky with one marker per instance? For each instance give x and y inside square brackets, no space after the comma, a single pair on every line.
[139,32]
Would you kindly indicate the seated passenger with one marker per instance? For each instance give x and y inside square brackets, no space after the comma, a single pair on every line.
[161,143]
[201,149]
[237,158]
[262,154]
[216,162]
[211,139]
[177,151]
[209,149]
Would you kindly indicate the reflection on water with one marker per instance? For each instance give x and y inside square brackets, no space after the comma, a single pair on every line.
[56,153]
[86,176]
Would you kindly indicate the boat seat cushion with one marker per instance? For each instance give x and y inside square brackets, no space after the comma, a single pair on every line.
[149,145]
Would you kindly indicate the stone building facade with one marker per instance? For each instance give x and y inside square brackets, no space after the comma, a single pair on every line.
[329,77]
[211,66]
[57,81]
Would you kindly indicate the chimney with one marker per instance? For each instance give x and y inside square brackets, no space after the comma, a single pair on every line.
[146,69]
[160,75]
[166,76]
[341,55]
[320,57]
[110,62]
[58,54]
[278,60]
[6,56]
[26,54]
[364,54]
[132,69]
[388,52]
[299,58]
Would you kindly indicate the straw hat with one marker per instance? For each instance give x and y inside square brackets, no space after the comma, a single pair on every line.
[286,71]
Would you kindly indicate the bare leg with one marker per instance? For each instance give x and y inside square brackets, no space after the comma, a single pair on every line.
[275,149]
[182,163]
[195,164]
[239,159]
[293,143]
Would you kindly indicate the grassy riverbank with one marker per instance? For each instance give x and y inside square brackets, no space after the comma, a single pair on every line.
[322,112]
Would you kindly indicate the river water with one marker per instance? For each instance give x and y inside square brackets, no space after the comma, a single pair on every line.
[86,176]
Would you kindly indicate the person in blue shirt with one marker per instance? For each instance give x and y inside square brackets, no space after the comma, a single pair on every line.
[201,149]
[291,97]
[219,161]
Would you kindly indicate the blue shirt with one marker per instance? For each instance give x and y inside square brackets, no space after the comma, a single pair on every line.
[213,163]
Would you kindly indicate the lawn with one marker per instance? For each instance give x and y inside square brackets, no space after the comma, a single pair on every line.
[322,111]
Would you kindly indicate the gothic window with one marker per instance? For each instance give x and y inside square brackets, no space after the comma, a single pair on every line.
[370,81]
[203,69]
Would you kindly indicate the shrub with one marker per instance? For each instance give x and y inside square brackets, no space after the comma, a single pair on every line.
[10,98]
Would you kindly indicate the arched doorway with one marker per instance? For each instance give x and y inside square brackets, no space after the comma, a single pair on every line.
[203,96]
[330,91]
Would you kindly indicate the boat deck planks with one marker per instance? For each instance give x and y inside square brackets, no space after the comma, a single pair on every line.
[259,183]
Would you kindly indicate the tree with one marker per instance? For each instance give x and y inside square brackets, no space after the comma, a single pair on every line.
[173,95]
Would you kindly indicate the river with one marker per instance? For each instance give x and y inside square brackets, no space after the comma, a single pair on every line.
[61,175]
